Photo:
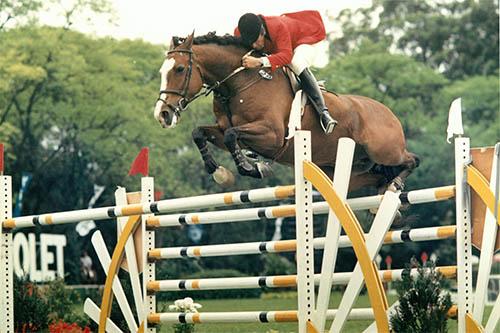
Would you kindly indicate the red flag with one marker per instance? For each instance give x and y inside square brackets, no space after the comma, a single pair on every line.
[140,164]
[1,158]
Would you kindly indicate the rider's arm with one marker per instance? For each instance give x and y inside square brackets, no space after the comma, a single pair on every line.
[283,48]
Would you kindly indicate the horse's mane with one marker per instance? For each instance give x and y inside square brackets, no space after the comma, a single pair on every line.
[211,38]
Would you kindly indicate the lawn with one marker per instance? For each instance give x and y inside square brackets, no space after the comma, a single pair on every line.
[275,301]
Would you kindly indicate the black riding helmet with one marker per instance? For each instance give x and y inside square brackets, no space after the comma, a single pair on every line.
[250,27]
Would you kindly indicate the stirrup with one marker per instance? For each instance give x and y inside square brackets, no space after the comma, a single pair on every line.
[330,126]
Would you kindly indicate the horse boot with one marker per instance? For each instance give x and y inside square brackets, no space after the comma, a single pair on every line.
[311,88]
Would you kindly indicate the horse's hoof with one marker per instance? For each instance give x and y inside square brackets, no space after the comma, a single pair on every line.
[250,154]
[396,185]
[223,177]
[265,169]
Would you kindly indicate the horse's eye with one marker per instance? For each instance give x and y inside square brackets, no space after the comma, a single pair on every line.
[179,69]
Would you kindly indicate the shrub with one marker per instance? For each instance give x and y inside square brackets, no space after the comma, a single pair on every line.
[275,264]
[423,307]
[60,302]
[30,309]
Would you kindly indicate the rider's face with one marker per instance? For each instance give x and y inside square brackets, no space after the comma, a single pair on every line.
[259,43]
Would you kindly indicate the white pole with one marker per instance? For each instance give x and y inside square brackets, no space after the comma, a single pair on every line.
[249,316]
[162,206]
[463,240]
[374,240]
[148,243]
[6,259]
[304,231]
[131,255]
[392,237]
[105,260]
[343,166]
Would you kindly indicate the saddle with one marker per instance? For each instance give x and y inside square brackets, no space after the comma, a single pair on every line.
[295,81]
[299,102]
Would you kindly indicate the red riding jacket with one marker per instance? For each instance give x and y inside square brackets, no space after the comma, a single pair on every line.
[288,31]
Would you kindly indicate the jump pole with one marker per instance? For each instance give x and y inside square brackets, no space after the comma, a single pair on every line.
[6,253]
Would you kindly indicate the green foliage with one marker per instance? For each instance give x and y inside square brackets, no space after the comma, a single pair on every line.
[274,264]
[14,10]
[30,309]
[174,269]
[457,38]
[423,307]
[36,307]
[59,303]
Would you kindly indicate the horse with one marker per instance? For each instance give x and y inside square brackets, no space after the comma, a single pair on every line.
[252,109]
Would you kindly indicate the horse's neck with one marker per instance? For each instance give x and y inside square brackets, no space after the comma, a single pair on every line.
[217,61]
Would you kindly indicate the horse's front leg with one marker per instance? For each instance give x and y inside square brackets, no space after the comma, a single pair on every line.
[202,135]
[214,135]
[247,166]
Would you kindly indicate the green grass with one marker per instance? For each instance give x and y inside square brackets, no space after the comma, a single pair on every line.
[276,301]
[269,302]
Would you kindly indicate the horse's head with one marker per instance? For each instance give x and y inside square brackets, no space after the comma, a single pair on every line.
[181,80]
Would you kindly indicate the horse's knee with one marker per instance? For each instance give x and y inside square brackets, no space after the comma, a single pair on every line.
[411,161]
[230,137]
[416,161]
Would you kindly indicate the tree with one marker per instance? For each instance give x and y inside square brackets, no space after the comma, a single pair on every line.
[11,10]
[456,38]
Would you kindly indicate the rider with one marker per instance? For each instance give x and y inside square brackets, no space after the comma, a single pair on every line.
[290,39]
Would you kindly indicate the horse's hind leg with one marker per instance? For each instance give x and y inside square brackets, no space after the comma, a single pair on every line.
[247,166]
[411,162]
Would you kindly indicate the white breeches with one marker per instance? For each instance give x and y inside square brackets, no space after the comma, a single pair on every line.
[305,55]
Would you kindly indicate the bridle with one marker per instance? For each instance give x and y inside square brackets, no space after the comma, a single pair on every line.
[183,103]
[185,100]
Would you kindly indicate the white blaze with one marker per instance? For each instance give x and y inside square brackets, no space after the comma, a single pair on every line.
[168,64]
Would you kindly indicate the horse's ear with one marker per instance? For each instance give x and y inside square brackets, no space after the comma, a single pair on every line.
[173,42]
[188,43]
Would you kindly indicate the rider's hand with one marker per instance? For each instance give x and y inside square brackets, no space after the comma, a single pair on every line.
[251,62]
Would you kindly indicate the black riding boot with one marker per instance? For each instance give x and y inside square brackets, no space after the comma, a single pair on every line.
[311,88]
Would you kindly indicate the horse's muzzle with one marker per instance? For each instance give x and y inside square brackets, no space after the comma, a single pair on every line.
[167,116]
[170,118]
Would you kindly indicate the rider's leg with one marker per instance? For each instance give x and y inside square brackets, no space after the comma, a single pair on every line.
[311,88]
[304,56]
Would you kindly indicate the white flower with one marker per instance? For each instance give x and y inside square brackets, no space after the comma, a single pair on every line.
[185,305]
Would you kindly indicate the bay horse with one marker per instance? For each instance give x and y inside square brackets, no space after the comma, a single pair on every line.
[252,110]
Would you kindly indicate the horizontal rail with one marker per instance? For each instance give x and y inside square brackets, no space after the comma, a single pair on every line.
[214,200]
[252,214]
[257,316]
[280,281]
[162,206]
[392,237]
[247,316]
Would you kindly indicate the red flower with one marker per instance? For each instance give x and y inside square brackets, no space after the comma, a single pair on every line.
[62,327]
